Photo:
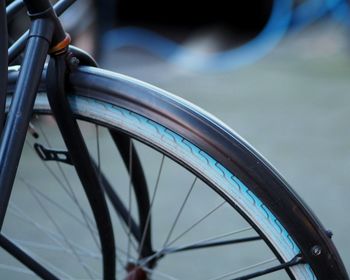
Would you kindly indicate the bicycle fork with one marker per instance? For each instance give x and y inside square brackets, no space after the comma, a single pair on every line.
[47,36]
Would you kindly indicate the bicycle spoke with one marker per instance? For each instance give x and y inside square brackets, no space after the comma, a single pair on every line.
[53,202]
[211,242]
[296,260]
[87,219]
[50,247]
[98,149]
[139,183]
[121,211]
[62,249]
[84,265]
[197,222]
[68,191]
[130,201]
[125,229]
[151,205]
[16,269]
[50,265]
[24,258]
[179,213]
[244,269]
[51,235]
[203,244]
[56,238]
[159,253]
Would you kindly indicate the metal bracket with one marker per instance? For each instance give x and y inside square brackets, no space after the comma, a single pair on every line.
[51,154]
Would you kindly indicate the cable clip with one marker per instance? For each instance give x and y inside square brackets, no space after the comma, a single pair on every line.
[61,47]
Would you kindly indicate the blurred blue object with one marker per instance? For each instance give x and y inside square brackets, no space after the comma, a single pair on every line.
[341,11]
[313,10]
[284,17]
[309,12]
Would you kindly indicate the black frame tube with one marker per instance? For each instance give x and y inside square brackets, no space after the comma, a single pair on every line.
[46,31]
[13,8]
[56,82]
[25,259]
[3,61]
[37,6]
[21,107]
[16,49]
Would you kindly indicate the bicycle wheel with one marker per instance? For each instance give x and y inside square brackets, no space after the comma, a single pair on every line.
[204,204]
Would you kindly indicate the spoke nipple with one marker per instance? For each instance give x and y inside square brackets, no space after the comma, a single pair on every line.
[316,250]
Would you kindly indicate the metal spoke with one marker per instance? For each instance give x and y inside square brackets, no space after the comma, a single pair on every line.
[27,260]
[244,269]
[85,266]
[197,222]
[296,260]
[151,205]
[139,184]
[53,202]
[179,212]
[98,149]
[203,243]
[68,184]
[121,211]
[60,248]
[50,247]
[159,253]
[51,235]
[88,221]
[210,242]
[125,229]
[16,269]
[54,237]
[130,201]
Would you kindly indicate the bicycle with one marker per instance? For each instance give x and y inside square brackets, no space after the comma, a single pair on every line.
[98,111]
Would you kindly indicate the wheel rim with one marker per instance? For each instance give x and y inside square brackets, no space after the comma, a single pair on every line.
[287,248]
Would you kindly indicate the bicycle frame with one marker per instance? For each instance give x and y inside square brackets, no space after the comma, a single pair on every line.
[3,61]
[46,36]
[17,123]
[44,31]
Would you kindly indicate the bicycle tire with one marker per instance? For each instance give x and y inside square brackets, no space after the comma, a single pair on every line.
[232,167]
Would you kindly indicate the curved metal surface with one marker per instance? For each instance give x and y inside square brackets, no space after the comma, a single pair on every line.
[219,141]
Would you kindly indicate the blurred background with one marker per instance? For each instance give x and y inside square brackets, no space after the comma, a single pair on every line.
[277,72]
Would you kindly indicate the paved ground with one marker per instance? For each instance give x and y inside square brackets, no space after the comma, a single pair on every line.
[293,106]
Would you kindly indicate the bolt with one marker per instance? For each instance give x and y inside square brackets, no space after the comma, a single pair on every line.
[73,62]
[316,250]
[329,233]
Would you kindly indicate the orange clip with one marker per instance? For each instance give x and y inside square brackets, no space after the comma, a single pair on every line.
[61,46]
